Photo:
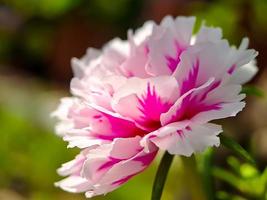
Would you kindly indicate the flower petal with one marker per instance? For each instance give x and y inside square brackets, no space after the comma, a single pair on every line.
[166,44]
[109,166]
[178,112]
[148,97]
[75,184]
[194,138]
[208,34]
[245,73]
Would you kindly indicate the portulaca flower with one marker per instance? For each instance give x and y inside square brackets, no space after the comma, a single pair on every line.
[159,90]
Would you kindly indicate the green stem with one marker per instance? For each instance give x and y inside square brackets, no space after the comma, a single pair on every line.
[193,179]
[161,176]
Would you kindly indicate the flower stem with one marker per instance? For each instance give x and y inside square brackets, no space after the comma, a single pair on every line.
[161,176]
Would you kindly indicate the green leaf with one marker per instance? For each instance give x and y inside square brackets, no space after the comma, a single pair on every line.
[221,195]
[234,163]
[226,176]
[161,176]
[237,148]
[248,171]
[252,91]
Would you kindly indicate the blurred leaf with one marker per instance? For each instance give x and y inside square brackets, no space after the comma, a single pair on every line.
[234,164]
[259,8]
[118,8]
[249,181]
[36,42]
[44,8]
[221,195]
[252,91]
[192,178]
[237,148]
[118,12]
[248,171]
[206,165]
[226,176]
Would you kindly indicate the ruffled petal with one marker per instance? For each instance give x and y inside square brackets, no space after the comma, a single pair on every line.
[187,140]
[166,44]
[208,34]
[104,168]
[118,169]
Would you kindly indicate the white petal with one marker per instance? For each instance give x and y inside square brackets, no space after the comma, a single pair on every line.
[74,184]
[192,140]
[208,34]
[245,73]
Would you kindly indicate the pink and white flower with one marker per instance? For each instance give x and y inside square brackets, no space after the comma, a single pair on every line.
[160,89]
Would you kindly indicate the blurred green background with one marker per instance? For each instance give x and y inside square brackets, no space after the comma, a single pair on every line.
[38,39]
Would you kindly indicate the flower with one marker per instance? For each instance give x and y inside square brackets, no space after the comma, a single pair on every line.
[160,89]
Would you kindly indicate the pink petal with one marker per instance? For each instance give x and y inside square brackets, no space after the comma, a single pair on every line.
[135,64]
[148,97]
[79,66]
[107,167]
[166,44]
[179,110]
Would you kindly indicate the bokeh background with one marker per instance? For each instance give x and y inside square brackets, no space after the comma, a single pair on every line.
[37,40]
